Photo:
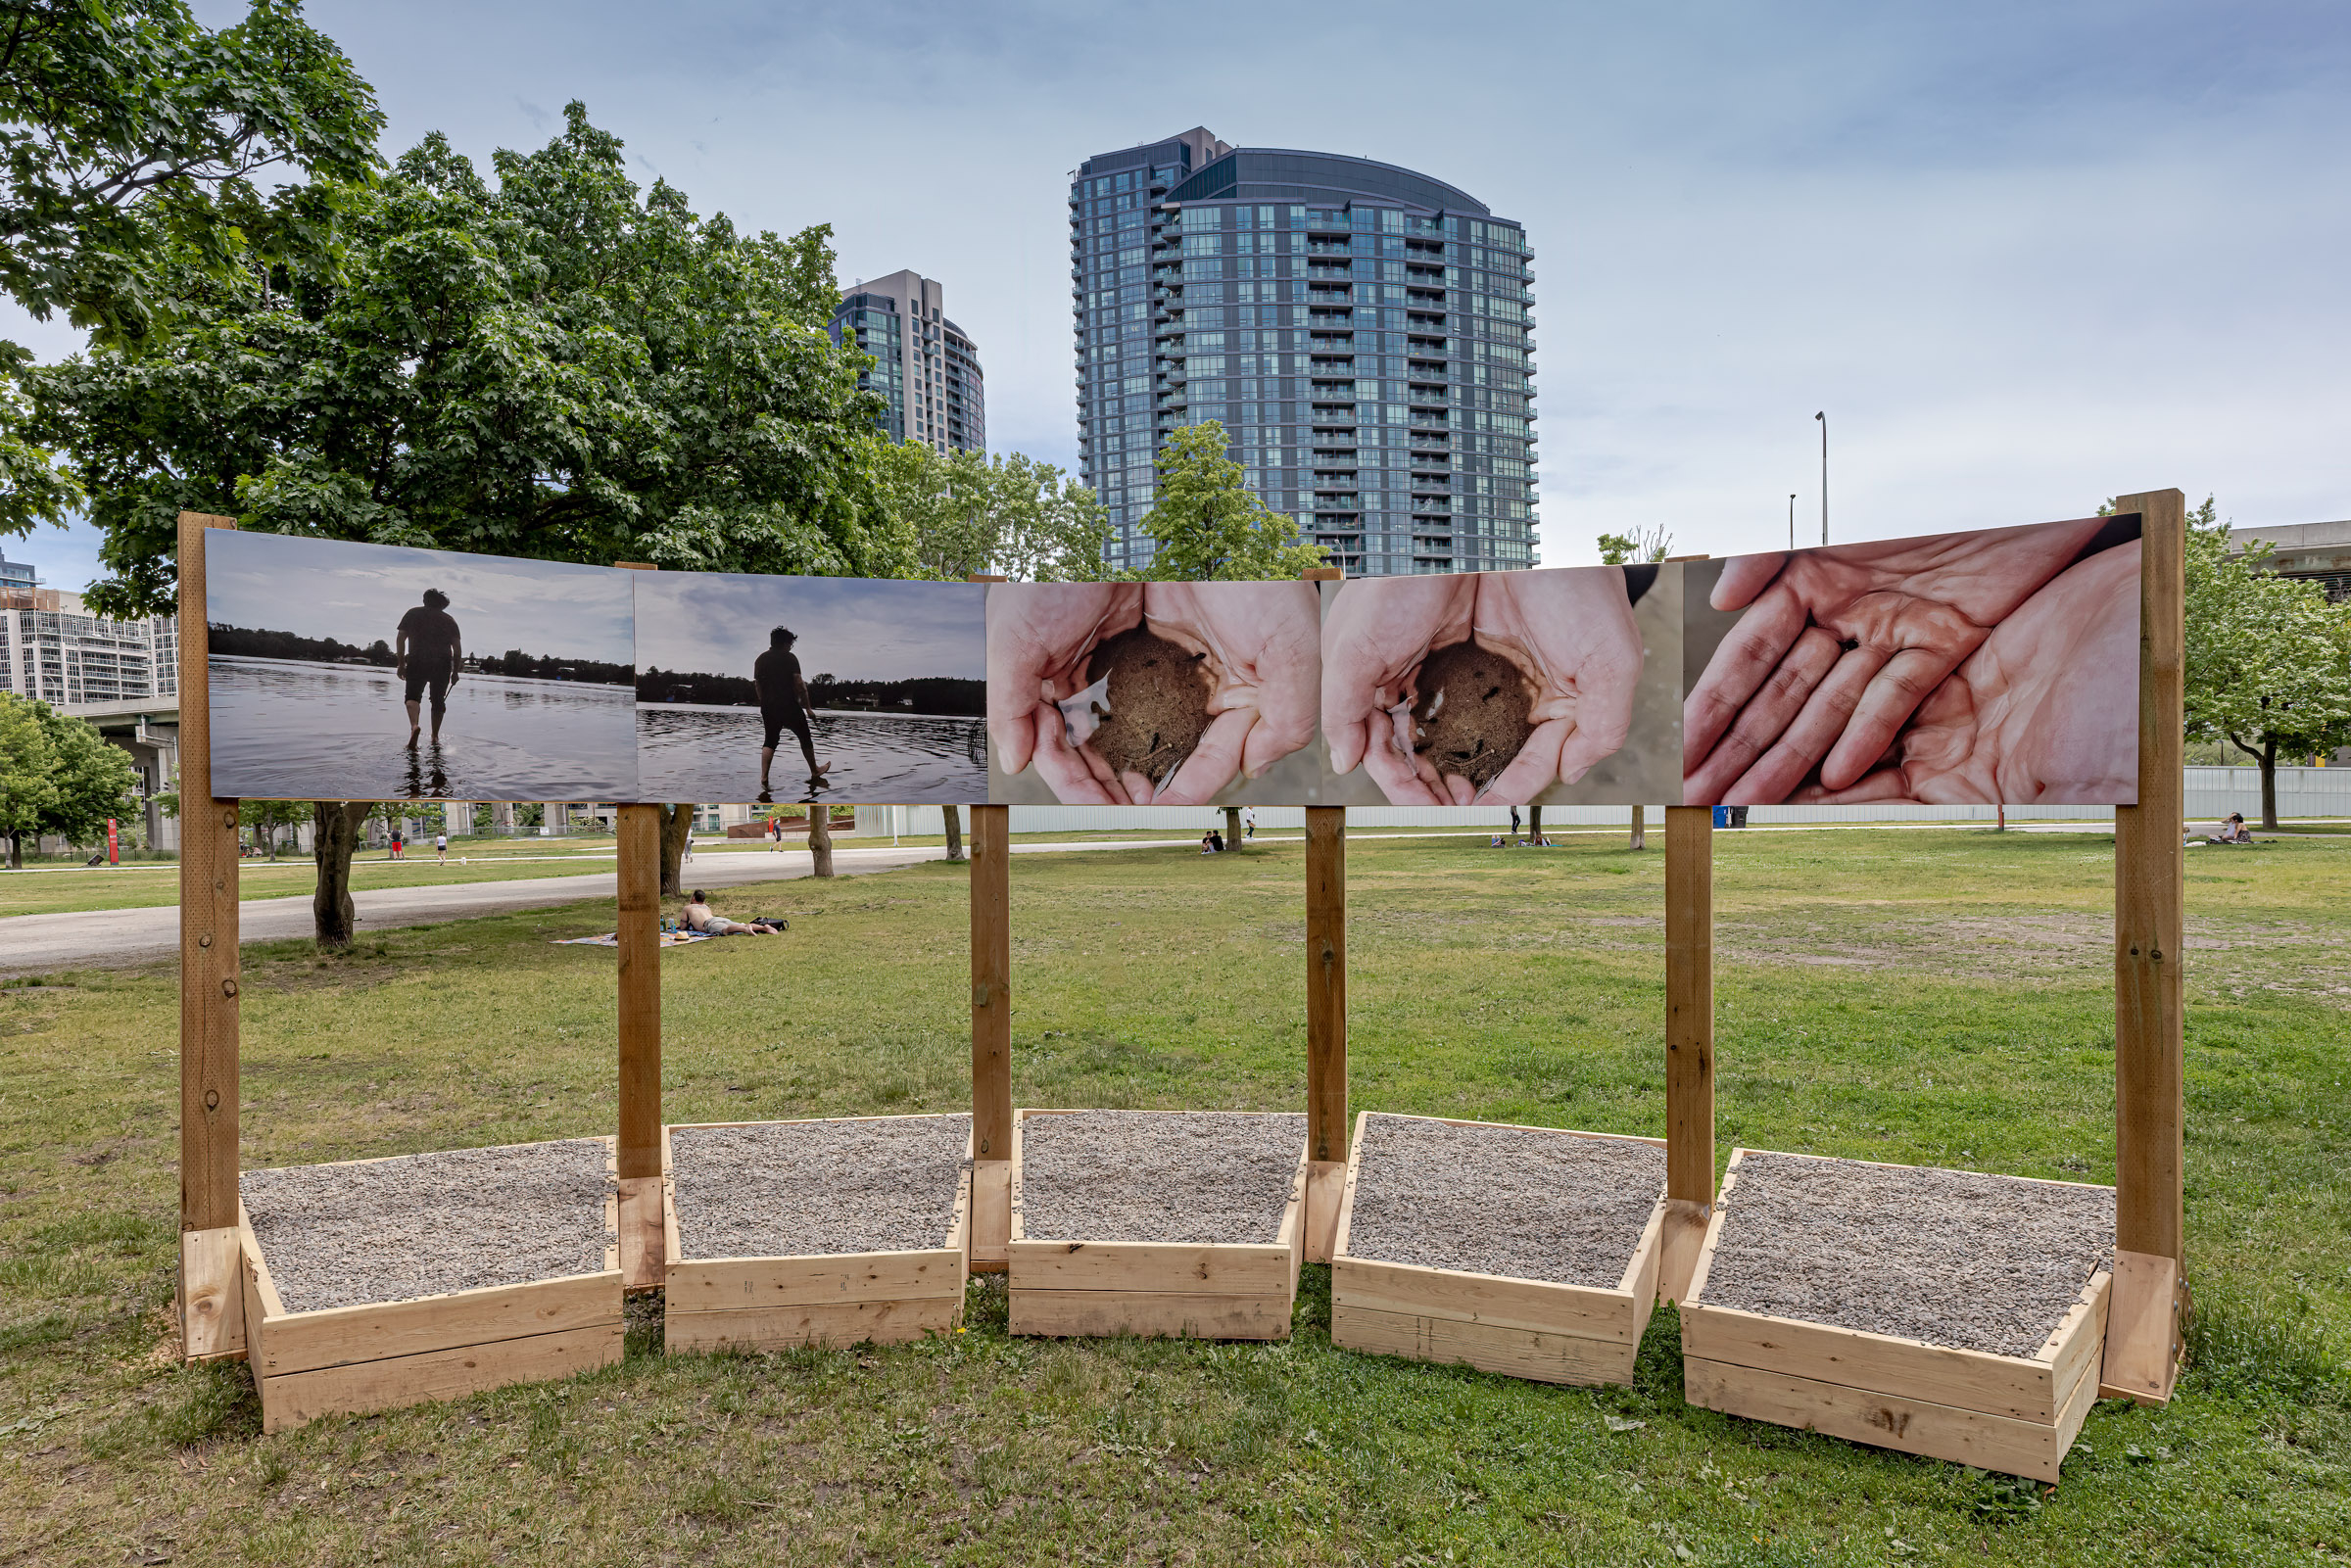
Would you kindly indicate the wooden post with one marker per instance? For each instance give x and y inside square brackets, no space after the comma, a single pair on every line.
[1688,1042]
[1325,1009]
[1326,1024]
[2143,1341]
[638,1151]
[211,1318]
[991,1037]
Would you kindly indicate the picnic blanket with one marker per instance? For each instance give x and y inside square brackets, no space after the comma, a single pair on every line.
[612,940]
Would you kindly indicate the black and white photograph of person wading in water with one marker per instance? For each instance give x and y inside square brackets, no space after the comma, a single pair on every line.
[844,688]
[379,672]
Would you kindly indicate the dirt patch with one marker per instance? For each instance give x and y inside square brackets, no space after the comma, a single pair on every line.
[1157,697]
[1469,717]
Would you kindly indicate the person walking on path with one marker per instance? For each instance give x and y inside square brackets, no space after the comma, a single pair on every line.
[1514,824]
[427,658]
[397,841]
[782,705]
[440,850]
[1248,822]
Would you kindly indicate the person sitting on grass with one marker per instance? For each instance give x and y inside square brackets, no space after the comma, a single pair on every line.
[700,917]
[2233,830]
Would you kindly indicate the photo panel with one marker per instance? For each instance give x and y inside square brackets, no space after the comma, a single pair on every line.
[853,690]
[379,672]
[1153,693]
[1998,666]
[1553,687]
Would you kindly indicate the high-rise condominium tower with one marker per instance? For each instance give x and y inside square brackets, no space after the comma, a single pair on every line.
[1363,332]
[926,367]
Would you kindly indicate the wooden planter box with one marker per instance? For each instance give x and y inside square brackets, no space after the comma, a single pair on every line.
[381,1355]
[770,1304]
[2016,1414]
[1183,1290]
[1529,1328]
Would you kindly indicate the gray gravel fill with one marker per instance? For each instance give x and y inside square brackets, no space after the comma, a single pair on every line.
[1950,1258]
[1527,1204]
[793,1189]
[1158,1176]
[391,1230]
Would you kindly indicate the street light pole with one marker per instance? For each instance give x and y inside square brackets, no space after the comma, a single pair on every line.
[1824,475]
[1792,519]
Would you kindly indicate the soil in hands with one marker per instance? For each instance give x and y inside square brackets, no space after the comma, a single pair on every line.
[1157,699]
[1470,717]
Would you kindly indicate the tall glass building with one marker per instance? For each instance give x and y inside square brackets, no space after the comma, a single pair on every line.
[1363,332]
[925,367]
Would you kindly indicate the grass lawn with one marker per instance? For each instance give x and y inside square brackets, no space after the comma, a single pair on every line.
[1937,996]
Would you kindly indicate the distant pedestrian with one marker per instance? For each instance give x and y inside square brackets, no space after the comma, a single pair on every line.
[1248,821]
[440,850]
[397,842]
[689,846]
[1513,823]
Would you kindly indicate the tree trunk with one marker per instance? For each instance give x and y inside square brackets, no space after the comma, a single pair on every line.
[1639,827]
[2269,784]
[334,834]
[677,822]
[1534,825]
[1233,826]
[954,819]
[820,837]
[16,850]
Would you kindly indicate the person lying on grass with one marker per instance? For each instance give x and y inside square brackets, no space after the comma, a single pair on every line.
[700,917]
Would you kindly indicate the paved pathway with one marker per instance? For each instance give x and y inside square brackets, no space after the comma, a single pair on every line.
[33,944]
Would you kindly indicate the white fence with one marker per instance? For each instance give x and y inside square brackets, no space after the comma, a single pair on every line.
[2212,794]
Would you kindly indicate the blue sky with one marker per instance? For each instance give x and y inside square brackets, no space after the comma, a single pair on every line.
[2025,256]
[717,623]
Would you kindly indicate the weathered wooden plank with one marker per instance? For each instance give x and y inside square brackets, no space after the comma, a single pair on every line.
[211,1323]
[1641,1276]
[720,1284]
[1689,1034]
[1325,995]
[1163,1267]
[304,1342]
[294,1397]
[2143,1346]
[2080,1340]
[1464,1296]
[1968,1380]
[1695,1287]
[1882,1420]
[776,1328]
[212,1295]
[2149,888]
[1542,1356]
[991,1215]
[1152,1314]
[1326,1193]
[1355,1163]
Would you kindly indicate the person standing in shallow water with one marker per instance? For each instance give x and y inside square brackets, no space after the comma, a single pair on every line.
[429,652]
[783,704]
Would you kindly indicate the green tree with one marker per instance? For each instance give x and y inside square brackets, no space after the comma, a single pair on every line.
[1011,515]
[1207,523]
[2269,657]
[58,778]
[1641,545]
[129,134]
[27,773]
[555,366]
[558,366]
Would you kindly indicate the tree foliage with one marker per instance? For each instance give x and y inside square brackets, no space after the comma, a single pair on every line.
[130,133]
[557,367]
[1011,515]
[2269,657]
[58,777]
[1207,523]
[1641,545]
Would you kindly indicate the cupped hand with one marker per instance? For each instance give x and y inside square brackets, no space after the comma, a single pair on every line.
[2046,709]
[1038,637]
[1839,647]
[1378,631]
[1572,629]
[1264,644]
